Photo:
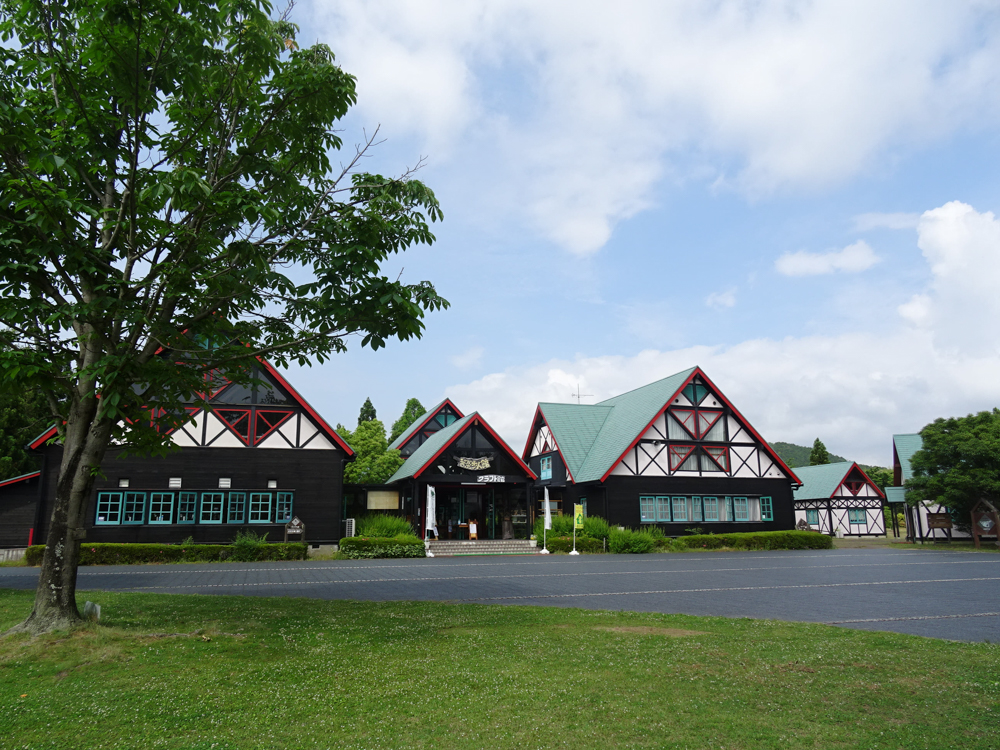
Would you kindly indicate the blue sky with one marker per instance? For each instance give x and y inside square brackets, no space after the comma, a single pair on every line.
[796,196]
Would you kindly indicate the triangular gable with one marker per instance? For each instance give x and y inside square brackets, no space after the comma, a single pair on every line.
[830,480]
[422,421]
[572,428]
[425,456]
[642,408]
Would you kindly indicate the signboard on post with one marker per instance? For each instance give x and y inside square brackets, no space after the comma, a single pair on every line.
[985,521]
[938,521]
[577,516]
[295,527]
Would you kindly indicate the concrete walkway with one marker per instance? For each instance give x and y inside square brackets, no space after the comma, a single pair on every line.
[935,593]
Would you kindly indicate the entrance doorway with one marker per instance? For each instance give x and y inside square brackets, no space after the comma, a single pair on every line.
[500,512]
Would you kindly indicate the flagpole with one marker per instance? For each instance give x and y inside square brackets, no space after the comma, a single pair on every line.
[547,524]
[576,512]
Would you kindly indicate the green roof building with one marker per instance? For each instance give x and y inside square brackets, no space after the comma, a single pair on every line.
[839,499]
[675,453]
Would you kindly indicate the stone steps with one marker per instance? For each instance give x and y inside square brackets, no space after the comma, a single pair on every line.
[455,548]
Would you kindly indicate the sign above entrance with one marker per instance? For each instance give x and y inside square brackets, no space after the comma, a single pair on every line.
[491,478]
[474,464]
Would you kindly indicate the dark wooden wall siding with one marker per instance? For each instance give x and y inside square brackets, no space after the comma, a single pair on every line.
[623,500]
[18,503]
[558,469]
[315,476]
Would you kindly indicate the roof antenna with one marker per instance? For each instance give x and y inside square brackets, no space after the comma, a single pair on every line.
[578,395]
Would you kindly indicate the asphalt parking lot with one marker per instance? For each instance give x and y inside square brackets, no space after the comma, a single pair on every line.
[935,593]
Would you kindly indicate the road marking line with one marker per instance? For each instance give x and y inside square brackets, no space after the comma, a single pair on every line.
[922,617]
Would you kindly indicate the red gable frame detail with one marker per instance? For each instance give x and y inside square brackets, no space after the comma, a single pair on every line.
[532,433]
[22,478]
[481,423]
[42,439]
[865,475]
[430,415]
[698,371]
[324,427]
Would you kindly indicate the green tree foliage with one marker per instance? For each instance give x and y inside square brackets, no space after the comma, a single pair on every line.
[819,454]
[880,475]
[23,416]
[167,184]
[958,464]
[367,413]
[798,455]
[411,412]
[374,462]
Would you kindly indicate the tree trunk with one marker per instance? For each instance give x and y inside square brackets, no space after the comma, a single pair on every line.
[84,446]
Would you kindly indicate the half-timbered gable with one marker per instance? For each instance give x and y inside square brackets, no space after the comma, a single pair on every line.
[258,455]
[625,457]
[441,416]
[839,499]
[474,477]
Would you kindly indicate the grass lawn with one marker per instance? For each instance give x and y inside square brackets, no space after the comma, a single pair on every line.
[169,671]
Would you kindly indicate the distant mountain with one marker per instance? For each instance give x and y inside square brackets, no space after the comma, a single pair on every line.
[798,455]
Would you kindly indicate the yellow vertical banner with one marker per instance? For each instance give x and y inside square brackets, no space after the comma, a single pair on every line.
[577,516]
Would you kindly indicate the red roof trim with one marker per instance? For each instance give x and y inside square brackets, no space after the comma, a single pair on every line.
[476,420]
[22,478]
[430,415]
[736,412]
[330,432]
[43,438]
[867,479]
[533,432]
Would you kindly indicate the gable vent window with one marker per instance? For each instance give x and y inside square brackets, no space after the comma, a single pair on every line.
[225,483]
[123,483]
[174,483]
[272,484]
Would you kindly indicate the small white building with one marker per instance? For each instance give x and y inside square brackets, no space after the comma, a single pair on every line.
[839,499]
[918,526]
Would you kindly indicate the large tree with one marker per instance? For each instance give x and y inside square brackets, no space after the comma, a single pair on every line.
[373,462]
[819,455]
[411,412]
[170,209]
[23,415]
[958,464]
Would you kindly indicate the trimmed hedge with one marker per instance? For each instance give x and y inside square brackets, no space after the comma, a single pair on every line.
[565,544]
[131,554]
[758,540]
[367,548]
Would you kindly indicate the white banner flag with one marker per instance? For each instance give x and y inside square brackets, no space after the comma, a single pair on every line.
[548,511]
[431,510]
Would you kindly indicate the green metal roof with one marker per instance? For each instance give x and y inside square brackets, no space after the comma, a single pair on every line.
[575,428]
[593,438]
[906,446]
[430,446]
[895,494]
[820,482]
[408,432]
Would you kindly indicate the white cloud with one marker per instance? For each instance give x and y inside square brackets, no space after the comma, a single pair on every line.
[867,222]
[852,259]
[570,113]
[853,390]
[468,359]
[722,300]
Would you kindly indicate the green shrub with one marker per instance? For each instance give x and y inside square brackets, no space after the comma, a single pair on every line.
[627,541]
[247,546]
[366,548]
[383,525]
[565,544]
[758,540]
[134,554]
[593,526]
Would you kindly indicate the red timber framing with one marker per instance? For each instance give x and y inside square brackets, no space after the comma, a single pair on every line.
[710,426]
[476,421]
[537,423]
[427,424]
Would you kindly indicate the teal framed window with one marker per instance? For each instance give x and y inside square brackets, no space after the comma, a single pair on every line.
[237,507]
[857,516]
[766,509]
[546,468]
[711,508]
[647,509]
[161,507]
[211,507]
[260,507]
[283,510]
[696,511]
[134,508]
[741,509]
[663,509]
[187,507]
[729,510]
[679,509]
[812,517]
[109,509]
